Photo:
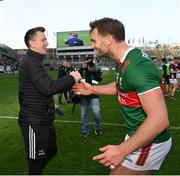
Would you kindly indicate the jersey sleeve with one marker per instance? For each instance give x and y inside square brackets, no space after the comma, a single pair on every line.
[143,77]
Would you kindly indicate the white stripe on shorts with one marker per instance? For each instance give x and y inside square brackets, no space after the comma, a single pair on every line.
[32,144]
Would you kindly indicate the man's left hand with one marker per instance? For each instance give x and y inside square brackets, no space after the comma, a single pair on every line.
[112,156]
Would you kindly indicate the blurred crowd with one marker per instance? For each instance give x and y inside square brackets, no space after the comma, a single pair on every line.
[171,77]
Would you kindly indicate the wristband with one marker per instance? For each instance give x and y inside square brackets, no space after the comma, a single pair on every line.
[76,81]
[80,81]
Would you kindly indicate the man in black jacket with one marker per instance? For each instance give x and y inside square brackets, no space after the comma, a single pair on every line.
[37,108]
[92,75]
[62,71]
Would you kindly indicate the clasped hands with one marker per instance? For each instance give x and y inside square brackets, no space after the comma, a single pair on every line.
[82,88]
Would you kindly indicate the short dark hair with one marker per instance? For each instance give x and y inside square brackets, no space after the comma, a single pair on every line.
[109,26]
[90,64]
[31,33]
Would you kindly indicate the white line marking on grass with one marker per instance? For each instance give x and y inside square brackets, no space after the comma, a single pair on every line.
[79,122]
[67,121]
[7,117]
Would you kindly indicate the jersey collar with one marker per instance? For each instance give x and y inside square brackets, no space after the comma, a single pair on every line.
[126,53]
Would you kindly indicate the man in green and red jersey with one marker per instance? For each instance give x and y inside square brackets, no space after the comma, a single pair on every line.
[137,85]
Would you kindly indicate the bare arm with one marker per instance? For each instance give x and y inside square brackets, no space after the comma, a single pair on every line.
[156,122]
[108,89]
[87,89]
[173,71]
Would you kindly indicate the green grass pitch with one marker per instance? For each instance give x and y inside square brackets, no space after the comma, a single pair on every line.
[75,154]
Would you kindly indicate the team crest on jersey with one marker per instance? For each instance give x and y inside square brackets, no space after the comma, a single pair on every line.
[120,81]
[117,77]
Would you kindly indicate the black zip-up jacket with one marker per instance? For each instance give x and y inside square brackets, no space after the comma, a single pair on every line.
[36,90]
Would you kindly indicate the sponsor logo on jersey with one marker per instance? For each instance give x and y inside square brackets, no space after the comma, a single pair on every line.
[129,99]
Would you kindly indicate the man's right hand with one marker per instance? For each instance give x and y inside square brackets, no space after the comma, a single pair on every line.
[76,75]
[83,88]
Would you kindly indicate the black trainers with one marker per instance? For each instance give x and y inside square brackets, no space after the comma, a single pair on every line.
[68,101]
[84,135]
[97,132]
[59,111]
[61,103]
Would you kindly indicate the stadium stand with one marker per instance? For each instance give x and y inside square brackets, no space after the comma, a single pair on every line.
[8,62]
[77,54]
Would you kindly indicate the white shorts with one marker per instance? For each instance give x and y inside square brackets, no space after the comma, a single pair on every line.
[177,75]
[147,158]
[173,81]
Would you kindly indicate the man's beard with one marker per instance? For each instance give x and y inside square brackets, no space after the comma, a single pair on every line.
[100,54]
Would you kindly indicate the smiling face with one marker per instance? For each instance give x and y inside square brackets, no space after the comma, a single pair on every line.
[100,43]
[39,43]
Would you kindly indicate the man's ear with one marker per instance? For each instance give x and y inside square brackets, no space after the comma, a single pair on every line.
[31,43]
[109,39]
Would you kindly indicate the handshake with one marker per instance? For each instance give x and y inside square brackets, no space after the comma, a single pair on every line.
[81,87]
[76,75]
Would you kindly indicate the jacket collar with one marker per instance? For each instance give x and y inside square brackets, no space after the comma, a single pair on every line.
[35,54]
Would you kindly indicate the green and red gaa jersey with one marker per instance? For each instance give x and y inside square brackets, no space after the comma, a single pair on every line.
[136,75]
